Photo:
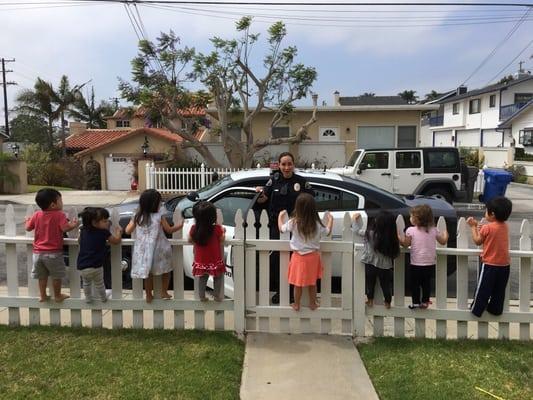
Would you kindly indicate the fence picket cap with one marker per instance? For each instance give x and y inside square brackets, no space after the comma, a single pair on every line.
[525,235]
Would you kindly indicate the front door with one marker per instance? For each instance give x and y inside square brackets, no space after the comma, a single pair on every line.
[408,171]
[375,168]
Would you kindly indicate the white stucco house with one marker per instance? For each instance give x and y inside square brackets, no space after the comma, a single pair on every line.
[498,115]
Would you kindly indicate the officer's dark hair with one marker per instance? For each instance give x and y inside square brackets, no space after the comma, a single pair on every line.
[284,154]
[501,207]
[45,197]
[93,214]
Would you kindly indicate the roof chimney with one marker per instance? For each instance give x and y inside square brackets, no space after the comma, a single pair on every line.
[461,90]
[336,100]
[77,127]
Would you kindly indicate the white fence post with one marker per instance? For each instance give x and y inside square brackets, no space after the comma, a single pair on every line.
[202,175]
[525,277]
[10,229]
[239,296]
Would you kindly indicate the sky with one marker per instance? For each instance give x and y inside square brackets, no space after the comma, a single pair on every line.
[355,49]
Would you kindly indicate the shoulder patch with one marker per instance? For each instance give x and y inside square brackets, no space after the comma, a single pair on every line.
[276,176]
[269,183]
[307,185]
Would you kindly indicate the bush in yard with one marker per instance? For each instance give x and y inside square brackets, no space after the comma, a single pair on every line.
[519,173]
[6,176]
[471,157]
[37,160]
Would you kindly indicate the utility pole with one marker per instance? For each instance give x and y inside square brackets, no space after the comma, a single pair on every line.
[115,102]
[4,84]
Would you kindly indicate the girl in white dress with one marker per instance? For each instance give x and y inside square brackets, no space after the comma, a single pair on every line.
[152,251]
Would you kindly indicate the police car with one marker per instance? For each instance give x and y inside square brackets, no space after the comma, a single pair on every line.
[334,193]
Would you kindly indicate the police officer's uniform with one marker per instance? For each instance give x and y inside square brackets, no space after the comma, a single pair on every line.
[282,193]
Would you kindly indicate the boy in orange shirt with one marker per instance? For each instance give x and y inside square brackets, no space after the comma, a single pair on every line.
[495,267]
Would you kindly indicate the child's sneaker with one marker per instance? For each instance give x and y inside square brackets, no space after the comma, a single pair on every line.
[424,305]
[413,306]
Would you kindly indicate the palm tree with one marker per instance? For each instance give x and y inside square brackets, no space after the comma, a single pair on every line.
[409,96]
[38,102]
[368,94]
[44,101]
[88,112]
[433,95]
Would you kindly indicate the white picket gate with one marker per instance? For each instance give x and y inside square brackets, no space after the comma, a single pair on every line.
[250,309]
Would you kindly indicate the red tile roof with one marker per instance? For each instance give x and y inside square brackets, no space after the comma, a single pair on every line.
[94,139]
[126,113]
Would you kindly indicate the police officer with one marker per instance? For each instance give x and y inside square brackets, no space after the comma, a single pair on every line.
[280,192]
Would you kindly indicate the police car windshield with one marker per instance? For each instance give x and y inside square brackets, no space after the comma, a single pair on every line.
[206,192]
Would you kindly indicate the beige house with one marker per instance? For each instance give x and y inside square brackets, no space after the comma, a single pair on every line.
[350,123]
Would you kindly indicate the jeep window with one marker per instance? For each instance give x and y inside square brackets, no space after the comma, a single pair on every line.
[376,161]
[408,159]
[442,161]
[406,136]
[353,158]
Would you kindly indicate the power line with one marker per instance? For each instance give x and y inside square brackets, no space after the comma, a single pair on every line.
[512,61]
[505,39]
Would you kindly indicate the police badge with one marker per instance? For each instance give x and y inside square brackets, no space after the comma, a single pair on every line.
[296,187]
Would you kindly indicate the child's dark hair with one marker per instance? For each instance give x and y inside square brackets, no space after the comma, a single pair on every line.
[383,234]
[148,203]
[45,197]
[93,214]
[424,216]
[306,215]
[501,207]
[205,215]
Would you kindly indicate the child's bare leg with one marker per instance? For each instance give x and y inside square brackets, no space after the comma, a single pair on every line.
[165,278]
[59,297]
[148,288]
[313,304]
[42,289]
[297,297]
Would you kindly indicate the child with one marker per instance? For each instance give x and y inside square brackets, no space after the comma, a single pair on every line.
[49,224]
[207,237]
[421,237]
[494,274]
[94,235]
[381,247]
[152,251]
[305,266]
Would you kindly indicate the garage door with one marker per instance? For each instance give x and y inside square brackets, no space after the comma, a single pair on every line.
[375,137]
[468,138]
[491,138]
[442,138]
[119,173]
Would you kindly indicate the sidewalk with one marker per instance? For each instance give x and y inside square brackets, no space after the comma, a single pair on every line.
[309,366]
[99,198]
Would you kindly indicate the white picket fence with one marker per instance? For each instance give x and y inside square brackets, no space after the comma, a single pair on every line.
[182,180]
[250,309]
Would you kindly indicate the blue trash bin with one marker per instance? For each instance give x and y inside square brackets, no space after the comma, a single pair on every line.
[496,181]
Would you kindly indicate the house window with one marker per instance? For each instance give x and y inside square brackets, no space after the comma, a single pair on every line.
[522,97]
[328,134]
[474,106]
[455,110]
[123,123]
[525,137]
[406,136]
[280,132]
[492,101]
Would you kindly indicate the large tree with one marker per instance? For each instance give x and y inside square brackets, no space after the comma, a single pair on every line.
[161,71]
[433,95]
[29,128]
[85,110]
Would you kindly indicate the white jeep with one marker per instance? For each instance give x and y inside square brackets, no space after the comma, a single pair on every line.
[425,171]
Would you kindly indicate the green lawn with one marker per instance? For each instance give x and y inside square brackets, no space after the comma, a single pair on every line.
[436,369]
[64,363]
[36,188]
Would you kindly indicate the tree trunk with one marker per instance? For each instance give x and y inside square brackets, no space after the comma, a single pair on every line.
[63,138]
[50,134]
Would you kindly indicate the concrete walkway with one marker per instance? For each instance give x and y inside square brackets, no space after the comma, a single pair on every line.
[283,366]
[99,198]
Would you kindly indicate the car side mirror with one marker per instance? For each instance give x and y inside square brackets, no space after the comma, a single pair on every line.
[193,196]
[361,168]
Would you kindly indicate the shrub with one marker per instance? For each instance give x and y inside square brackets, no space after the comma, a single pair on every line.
[519,173]
[37,160]
[6,176]
[471,157]
[521,155]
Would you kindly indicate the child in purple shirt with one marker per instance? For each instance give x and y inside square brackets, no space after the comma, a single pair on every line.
[423,238]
